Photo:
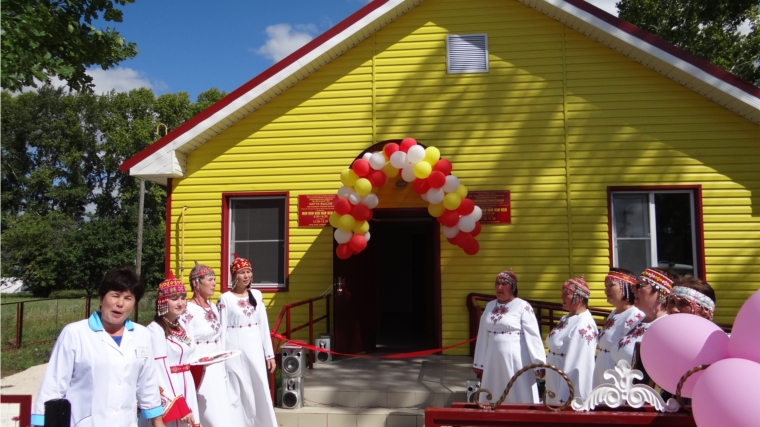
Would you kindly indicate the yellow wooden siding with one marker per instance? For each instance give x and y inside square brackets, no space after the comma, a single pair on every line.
[506,129]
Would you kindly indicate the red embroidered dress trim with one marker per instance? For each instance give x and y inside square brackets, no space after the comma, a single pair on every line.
[560,326]
[179,369]
[498,312]
[607,326]
[588,333]
[633,335]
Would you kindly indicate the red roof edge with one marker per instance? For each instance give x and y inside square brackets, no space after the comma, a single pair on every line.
[251,84]
[659,43]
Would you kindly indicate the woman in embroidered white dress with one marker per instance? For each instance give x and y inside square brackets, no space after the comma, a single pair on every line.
[651,295]
[618,287]
[572,344]
[172,352]
[508,340]
[246,328]
[202,324]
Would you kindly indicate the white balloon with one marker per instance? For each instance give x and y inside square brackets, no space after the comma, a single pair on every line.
[449,232]
[466,224]
[398,159]
[408,173]
[415,154]
[366,236]
[451,185]
[377,161]
[366,156]
[344,192]
[435,196]
[476,214]
[354,198]
[342,236]
[370,200]
[424,196]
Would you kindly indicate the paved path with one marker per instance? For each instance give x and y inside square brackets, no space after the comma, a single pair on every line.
[26,382]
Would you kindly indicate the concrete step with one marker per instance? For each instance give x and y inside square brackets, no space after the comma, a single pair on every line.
[316,416]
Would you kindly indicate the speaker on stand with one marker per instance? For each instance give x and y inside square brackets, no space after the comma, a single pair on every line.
[472,386]
[292,393]
[324,341]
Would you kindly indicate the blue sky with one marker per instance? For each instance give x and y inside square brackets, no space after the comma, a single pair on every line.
[194,45]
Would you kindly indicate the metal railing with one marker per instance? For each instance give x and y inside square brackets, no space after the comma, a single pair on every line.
[25,407]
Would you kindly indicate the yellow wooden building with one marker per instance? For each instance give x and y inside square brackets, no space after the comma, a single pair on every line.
[617,149]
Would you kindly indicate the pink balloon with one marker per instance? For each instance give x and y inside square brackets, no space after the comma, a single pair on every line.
[745,335]
[677,343]
[726,394]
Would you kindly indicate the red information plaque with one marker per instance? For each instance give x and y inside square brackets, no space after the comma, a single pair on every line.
[495,205]
[314,209]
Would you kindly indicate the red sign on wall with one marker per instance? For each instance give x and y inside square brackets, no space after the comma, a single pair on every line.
[314,209]
[495,205]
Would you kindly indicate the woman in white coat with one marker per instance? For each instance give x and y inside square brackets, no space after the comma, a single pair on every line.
[202,324]
[618,287]
[172,351]
[246,328]
[572,344]
[104,365]
[508,340]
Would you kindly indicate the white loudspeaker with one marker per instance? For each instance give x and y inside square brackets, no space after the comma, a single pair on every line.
[324,341]
[292,393]
[293,361]
[472,385]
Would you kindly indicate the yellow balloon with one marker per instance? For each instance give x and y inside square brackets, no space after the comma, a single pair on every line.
[361,227]
[461,191]
[334,217]
[363,186]
[389,170]
[432,155]
[436,210]
[348,177]
[346,222]
[451,201]
[422,169]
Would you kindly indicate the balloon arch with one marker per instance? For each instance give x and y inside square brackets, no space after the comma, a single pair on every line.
[431,178]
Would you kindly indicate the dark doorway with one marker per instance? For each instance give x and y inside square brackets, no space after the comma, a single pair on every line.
[390,300]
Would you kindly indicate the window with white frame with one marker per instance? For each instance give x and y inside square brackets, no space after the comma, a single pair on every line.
[655,228]
[257,233]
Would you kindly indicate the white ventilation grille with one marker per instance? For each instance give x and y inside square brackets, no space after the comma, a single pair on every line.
[467,53]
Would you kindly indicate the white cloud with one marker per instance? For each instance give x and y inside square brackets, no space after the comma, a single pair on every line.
[606,5]
[119,79]
[284,39]
[745,28]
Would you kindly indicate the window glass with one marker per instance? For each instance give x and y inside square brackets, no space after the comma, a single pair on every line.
[257,233]
[674,232]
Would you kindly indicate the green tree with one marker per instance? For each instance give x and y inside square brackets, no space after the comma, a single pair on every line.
[709,29]
[46,38]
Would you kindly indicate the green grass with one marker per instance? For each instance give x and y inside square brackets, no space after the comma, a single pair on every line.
[43,321]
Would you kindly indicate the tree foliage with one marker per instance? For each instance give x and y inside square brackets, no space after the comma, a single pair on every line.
[68,213]
[709,29]
[46,38]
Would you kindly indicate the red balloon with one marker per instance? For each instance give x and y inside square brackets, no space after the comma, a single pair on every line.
[443,166]
[370,215]
[437,179]
[343,207]
[357,243]
[464,239]
[377,178]
[466,207]
[449,218]
[361,167]
[473,248]
[360,212]
[477,229]
[406,144]
[452,241]
[421,186]
[390,148]
[343,251]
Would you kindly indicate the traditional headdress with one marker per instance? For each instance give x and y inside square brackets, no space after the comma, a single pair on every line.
[658,281]
[507,276]
[200,271]
[238,264]
[170,286]
[624,280]
[695,298]
[578,288]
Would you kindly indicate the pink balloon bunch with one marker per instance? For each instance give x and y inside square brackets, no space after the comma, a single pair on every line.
[725,394]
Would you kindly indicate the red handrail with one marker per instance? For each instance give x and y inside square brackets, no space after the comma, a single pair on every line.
[289,330]
[25,407]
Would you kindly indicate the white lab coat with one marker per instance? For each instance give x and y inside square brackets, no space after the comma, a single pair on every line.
[104,382]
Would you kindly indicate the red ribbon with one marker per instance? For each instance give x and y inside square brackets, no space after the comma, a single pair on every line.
[389,356]
[179,369]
